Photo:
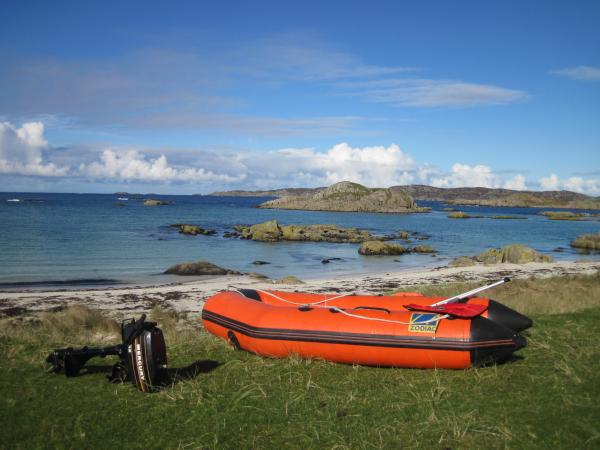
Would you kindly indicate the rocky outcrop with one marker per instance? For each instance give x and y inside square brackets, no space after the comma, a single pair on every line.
[423,249]
[377,247]
[271,231]
[290,279]
[381,248]
[193,230]
[199,268]
[462,261]
[347,196]
[256,275]
[404,235]
[510,254]
[327,260]
[267,232]
[154,202]
[587,242]
[513,254]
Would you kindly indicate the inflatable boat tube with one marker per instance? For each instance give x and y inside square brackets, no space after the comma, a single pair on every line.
[367,335]
[495,311]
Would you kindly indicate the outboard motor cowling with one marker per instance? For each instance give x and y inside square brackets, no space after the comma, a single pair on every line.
[142,356]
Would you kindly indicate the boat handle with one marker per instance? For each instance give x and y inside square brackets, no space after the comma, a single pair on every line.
[374,308]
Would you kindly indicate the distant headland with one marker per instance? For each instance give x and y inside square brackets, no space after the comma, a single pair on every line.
[334,198]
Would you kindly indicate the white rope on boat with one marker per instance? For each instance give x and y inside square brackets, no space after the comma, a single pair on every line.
[434,319]
[302,304]
[346,313]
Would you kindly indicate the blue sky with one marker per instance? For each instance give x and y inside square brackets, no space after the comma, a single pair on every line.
[192,97]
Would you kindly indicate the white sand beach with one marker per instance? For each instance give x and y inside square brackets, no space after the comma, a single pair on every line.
[190,296]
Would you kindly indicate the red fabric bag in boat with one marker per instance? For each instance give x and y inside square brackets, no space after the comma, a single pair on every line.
[462,310]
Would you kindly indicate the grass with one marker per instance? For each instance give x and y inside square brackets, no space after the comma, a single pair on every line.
[229,399]
[557,295]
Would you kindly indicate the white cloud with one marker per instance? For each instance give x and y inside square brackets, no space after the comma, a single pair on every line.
[25,151]
[424,93]
[21,151]
[581,185]
[583,73]
[371,166]
[516,183]
[133,165]
[425,172]
[549,183]
[589,186]
[464,175]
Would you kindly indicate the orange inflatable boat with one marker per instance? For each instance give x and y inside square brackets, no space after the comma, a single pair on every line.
[494,310]
[357,330]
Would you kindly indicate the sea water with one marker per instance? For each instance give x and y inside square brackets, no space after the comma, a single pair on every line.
[97,239]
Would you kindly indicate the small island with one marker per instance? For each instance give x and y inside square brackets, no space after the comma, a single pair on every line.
[349,197]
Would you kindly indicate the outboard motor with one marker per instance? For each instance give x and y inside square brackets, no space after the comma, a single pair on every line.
[143,356]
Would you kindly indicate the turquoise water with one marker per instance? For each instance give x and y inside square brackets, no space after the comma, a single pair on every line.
[87,239]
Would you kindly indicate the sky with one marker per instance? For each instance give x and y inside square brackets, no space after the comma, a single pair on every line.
[194,97]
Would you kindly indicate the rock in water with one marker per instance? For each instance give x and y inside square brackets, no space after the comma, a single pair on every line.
[587,241]
[153,202]
[272,232]
[266,232]
[193,230]
[369,248]
[348,196]
[199,268]
[513,254]
[423,249]
[564,215]
[462,215]
[520,254]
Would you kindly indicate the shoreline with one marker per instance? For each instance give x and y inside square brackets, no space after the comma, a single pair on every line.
[189,296]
